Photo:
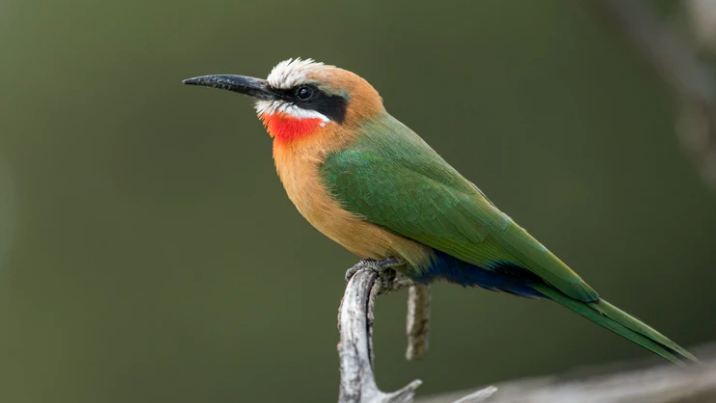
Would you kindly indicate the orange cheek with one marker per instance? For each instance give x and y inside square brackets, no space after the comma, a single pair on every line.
[287,128]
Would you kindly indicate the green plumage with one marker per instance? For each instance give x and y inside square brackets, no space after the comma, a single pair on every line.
[610,317]
[392,178]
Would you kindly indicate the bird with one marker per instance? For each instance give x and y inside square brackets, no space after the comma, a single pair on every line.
[374,186]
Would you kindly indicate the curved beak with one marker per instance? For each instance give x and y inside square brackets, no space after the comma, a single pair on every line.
[251,86]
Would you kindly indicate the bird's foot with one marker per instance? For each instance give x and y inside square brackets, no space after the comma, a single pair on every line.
[389,278]
[378,266]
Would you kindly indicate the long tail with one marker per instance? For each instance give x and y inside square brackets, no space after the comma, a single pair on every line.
[610,317]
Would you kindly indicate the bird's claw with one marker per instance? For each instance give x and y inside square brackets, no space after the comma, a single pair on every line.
[378,266]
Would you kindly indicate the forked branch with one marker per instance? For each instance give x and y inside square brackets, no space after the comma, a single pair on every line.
[355,323]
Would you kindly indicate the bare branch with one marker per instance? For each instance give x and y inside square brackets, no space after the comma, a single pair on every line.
[418,321]
[355,324]
[355,346]
[663,383]
[478,396]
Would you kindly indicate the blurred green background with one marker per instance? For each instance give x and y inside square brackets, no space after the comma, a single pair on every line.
[148,252]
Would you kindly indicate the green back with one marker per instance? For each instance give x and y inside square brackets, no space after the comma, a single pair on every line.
[390,176]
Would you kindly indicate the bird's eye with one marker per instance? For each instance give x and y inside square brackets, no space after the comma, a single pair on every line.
[304,93]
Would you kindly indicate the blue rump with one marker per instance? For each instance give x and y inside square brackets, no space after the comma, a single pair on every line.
[499,276]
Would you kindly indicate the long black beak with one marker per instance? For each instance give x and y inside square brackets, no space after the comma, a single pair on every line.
[255,87]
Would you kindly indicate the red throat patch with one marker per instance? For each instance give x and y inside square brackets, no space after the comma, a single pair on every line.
[287,128]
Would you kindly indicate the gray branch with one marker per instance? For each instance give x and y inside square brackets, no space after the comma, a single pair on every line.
[355,325]
[355,320]
[623,383]
[418,321]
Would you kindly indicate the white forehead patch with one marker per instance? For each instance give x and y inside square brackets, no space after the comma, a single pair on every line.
[292,72]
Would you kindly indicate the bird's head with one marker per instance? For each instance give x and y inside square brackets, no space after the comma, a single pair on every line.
[301,98]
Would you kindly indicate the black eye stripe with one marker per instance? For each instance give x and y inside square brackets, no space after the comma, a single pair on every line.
[332,106]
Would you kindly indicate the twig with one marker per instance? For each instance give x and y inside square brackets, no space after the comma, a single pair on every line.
[355,325]
[674,57]
[354,349]
[418,321]
[478,396]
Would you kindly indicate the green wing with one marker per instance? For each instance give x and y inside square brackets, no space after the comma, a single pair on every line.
[394,179]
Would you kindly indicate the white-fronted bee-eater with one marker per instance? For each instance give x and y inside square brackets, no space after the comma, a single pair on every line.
[372,185]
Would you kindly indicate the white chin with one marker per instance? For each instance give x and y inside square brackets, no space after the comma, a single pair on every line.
[264,107]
